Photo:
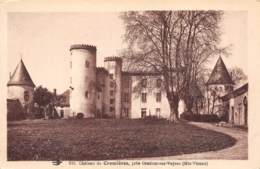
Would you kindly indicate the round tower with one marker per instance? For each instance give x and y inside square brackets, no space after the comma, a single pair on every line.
[20,86]
[114,67]
[219,84]
[83,80]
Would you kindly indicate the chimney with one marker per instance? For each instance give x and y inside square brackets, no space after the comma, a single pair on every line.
[55,92]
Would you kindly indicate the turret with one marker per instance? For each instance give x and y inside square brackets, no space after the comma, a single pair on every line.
[83,80]
[114,67]
[20,86]
[218,85]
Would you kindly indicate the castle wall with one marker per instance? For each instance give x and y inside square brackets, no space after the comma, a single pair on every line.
[18,92]
[83,81]
[126,96]
[102,104]
[237,116]
[114,67]
[151,106]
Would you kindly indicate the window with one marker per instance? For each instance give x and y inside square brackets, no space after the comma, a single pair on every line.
[126,97]
[144,83]
[158,97]
[158,83]
[86,64]
[126,112]
[26,96]
[158,112]
[98,96]
[111,109]
[144,99]
[220,89]
[111,76]
[126,83]
[111,84]
[143,112]
[111,93]
[112,101]
[86,94]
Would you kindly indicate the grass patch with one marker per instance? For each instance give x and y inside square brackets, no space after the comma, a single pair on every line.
[104,139]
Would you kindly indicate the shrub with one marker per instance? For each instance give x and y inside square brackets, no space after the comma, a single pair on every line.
[80,116]
[151,117]
[153,120]
[103,116]
[200,117]
[15,110]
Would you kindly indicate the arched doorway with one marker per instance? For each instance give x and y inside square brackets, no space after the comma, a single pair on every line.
[245,109]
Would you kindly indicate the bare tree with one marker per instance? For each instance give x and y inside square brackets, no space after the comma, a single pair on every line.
[176,44]
[237,75]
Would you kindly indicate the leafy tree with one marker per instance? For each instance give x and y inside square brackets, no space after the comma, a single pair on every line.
[176,44]
[42,96]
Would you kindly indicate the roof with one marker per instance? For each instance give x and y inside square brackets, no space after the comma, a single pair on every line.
[241,90]
[194,90]
[83,46]
[220,74]
[142,73]
[113,58]
[20,76]
[101,70]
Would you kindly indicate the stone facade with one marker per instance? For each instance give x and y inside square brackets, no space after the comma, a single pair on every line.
[83,80]
[20,86]
[218,85]
[236,105]
[114,94]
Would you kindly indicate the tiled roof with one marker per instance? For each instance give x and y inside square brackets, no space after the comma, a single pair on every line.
[220,74]
[20,76]
[83,46]
[241,90]
[113,58]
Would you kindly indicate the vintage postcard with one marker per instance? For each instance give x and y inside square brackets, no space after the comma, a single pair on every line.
[131,85]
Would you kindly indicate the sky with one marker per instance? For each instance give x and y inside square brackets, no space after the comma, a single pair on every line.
[43,40]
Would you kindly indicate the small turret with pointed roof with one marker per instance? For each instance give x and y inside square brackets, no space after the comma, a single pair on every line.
[220,74]
[20,76]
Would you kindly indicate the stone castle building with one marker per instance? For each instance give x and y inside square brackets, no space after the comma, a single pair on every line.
[218,85]
[20,85]
[109,91]
[20,88]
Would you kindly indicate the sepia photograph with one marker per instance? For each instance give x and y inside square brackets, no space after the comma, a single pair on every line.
[128,85]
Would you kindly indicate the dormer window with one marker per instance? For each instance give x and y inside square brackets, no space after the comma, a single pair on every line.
[158,83]
[144,83]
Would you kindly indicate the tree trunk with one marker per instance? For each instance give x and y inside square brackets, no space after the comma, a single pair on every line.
[174,114]
[189,104]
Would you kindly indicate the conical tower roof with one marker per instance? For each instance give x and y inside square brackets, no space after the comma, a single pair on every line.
[20,76]
[220,74]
